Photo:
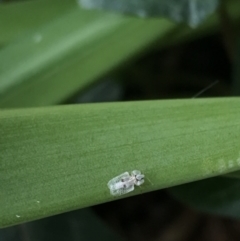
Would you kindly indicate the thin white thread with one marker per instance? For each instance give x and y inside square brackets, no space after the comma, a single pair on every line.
[205,89]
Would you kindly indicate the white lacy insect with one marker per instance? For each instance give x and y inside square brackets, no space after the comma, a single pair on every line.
[124,183]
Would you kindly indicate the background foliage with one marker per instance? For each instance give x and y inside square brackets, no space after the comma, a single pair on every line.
[57,159]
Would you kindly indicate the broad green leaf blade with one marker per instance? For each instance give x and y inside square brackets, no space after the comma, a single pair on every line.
[53,61]
[69,53]
[18,17]
[56,159]
[216,195]
[191,11]
[77,225]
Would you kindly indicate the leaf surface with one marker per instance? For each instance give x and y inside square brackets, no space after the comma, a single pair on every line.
[57,159]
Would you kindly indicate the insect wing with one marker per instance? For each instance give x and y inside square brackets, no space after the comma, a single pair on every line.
[136,172]
[121,191]
[114,183]
[139,182]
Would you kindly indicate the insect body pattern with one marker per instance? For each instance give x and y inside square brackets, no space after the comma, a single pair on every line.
[125,182]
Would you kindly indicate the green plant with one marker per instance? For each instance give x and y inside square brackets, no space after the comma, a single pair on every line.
[60,158]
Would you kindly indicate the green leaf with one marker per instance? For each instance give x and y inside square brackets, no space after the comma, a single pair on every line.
[69,53]
[191,11]
[58,56]
[216,195]
[17,18]
[77,225]
[56,159]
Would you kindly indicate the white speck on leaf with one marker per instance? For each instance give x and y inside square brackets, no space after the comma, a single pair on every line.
[18,216]
[238,161]
[230,164]
[37,38]
[221,166]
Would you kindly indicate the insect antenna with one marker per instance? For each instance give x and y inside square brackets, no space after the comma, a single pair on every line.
[149,180]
